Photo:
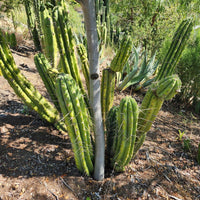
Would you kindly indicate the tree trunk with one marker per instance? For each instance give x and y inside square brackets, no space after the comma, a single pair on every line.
[88,7]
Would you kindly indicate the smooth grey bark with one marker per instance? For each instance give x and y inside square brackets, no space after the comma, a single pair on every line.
[88,7]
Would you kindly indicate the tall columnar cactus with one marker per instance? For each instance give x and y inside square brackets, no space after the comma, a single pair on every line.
[82,51]
[123,53]
[166,85]
[24,89]
[107,91]
[102,9]
[178,44]
[122,125]
[45,70]
[32,24]
[49,43]
[77,119]
[66,45]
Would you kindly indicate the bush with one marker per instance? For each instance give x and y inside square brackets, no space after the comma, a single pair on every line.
[188,69]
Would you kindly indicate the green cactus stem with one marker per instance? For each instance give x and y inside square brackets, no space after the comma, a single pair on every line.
[122,121]
[82,51]
[25,90]
[32,25]
[178,44]
[66,45]
[123,53]
[160,91]
[107,91]
[49,43]
[76,117]
[45,70]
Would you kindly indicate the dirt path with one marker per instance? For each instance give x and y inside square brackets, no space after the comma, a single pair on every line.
[36,161]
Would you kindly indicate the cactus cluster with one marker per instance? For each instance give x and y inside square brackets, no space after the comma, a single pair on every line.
[102,9]
[165,86]
[126,124]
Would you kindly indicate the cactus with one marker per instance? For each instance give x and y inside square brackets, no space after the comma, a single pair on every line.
[166,85]
[66,45]
[102,8]
[164,89]
[122,55]
[24,89]
[45,70]
[82,51]
[76,117]
[178,44]
[107,91]
[48,36]
[123,123]
[32,25]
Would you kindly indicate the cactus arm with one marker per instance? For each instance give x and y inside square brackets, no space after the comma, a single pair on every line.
[74,110]
[118,62]
[44,68]
[124,125]
[25,90]
[122,122]
[70,120]
[49,39]
[84,64]
[160,91]
[107,91]
[178,44]
[75,141]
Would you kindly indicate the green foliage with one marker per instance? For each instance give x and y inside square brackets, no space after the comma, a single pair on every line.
[138,71]
[180,134]
[188,69]
[148,22]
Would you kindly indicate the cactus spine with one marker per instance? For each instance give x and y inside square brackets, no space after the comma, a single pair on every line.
[123,125]
[76,114]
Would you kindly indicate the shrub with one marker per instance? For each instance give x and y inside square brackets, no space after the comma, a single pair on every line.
[188,69]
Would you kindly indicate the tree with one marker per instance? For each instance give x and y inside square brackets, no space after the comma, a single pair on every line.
[88,7]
